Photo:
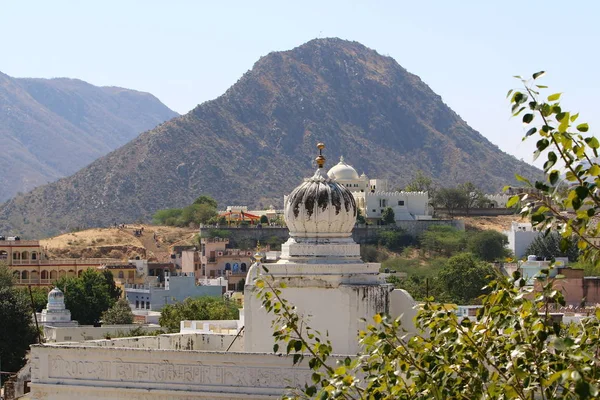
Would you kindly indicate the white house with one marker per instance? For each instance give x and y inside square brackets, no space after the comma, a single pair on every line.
[520,236]
[372,196]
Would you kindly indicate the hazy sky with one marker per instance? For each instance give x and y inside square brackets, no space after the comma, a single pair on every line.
[188,52]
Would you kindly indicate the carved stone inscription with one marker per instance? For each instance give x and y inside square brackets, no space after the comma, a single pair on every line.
[166,372]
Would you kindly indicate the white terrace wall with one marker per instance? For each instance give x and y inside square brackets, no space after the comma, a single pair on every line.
[81,372]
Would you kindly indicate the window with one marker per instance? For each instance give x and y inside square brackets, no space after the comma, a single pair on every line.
[147,305]
[121,275]
[137,304]
[374,210]
[400,202]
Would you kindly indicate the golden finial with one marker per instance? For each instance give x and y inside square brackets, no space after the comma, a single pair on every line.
[257,255]
[320,159]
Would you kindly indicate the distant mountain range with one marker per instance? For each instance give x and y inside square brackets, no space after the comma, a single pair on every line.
[254,143]
[51,128]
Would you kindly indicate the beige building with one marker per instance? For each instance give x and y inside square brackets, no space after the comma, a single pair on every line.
[216,260]
[30,266]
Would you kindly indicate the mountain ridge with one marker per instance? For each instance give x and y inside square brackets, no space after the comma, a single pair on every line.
[255,142]
[53,127]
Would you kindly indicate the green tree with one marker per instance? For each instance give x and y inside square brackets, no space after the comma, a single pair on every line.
[450,199]
[473,196]
[388,217]
[40,296]
[552,245]
[206,200]
[464,277]
[264,219]
[16,329]
[168,216]
[360,218]
[7,277]
[443,240]
[119,314]
[200,308]
[394,239]
[88,296]
[420,183]
[488,245]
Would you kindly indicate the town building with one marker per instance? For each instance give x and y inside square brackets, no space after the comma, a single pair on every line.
[326,280]
[372,196]
[215,259]
[175,288]
[520,235]
[29,263]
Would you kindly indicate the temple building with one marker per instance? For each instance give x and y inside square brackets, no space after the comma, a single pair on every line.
[372,196]
[325,279]
[55,313]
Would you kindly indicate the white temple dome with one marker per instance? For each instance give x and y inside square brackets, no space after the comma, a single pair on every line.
[56,300]
[320,207]
[342,171]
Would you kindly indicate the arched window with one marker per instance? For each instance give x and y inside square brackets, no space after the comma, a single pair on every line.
[3,255]
[25,255]
[71,273]
[227,267]
[44,274]
[24,275]
[243,267]
[137,304]
[33,255]
[53,275]
[16,256]
[121,275]
[79,272]
[34,275]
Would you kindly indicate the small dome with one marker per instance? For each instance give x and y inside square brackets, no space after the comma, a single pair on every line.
[343,172]
[55,295]
[320,207]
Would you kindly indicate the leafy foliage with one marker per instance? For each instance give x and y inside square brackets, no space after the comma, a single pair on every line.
[549,246]
[464,277]
[200,308]
[388,217]
[513,349]
[119,314]
[17,331]
[7,278]
[202,211]
[488,245]
[443,240]
[360,218]
[39,294]
[570,151]
[88,296]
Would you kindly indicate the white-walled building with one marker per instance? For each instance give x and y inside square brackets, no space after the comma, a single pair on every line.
[325,279]
[372,196]
[55,313]
[520,236]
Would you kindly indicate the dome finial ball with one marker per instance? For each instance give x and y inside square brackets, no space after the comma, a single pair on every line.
[320,159]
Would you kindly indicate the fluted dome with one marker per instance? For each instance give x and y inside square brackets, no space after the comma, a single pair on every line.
[320,207]
[343,172]
[56,300]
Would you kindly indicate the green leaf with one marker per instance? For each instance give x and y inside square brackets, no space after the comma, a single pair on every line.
[583,127]
[538,74]
[509,93]
[527,118]
[582,192]
[554,97]
[594,170]
[592,142]
[512,201]
[531,132]
[553,177]
[522,179]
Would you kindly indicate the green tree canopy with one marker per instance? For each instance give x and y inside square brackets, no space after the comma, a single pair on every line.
[168,216]
[463,278]
[488,245]
[549,246]
[420,183]
[119,314]
[450,199]
[200,308]
[88,296]
[443,240]
[264,219]
[7,277]
[388,217]
[360,218]
[17,331]
[204,199]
